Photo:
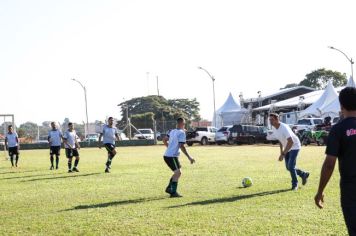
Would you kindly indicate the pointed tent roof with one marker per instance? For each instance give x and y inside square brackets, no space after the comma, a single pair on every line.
[318,108]
[229,105]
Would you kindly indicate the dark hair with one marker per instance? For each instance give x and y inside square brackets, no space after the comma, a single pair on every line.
[274,115]
[9,126]
[110,118]
[180,120]
[347,98]
[70,123]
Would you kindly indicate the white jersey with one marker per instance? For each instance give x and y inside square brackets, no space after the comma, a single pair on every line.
[71,137]
[109,134]
[283,133]
[176,137]
[55,137]
[11,139]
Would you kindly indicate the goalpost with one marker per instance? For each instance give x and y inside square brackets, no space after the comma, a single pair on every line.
[7,119]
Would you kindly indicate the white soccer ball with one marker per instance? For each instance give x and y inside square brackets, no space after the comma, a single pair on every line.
[247,182]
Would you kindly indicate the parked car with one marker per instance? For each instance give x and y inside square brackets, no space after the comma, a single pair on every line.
[144,134]
[335,120]
[202,135]
[222,135]
[92,138]
[122,135]
[308,123]
[249,134]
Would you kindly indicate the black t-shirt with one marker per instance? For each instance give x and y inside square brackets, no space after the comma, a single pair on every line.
[342,144]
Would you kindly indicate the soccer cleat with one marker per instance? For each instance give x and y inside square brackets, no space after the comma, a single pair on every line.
[56,167]
[107,170]
[305,178]
[75,169]
[176,195]
[70,171]
[51,168]
[294,188]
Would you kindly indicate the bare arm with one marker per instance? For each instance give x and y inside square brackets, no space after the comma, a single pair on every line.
[100,136]
[165,141]
[65,142]
[326,172]
[118,138]
[18,143]
[6,147]
[182,147]
[286,149]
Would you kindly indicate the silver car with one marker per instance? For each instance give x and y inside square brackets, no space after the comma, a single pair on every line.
[223,134]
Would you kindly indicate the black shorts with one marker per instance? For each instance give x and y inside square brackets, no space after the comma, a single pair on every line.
[13,151]
[172,163]
[55,150]
[110,147]
[72,153]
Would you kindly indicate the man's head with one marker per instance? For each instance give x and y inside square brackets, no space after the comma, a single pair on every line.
[111,121]
[10,128]
[70,126]
[53,125]
[180,123]
[274,119]
[347,98]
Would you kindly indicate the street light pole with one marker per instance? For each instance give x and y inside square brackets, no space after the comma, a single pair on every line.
[86,105]
[213,80]
[349,59]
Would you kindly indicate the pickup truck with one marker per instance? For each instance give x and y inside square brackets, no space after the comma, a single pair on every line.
[202,135]
[307,123]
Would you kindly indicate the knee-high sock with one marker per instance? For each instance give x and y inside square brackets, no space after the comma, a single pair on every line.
[12,160]
[69,164]
[76,162]
[17,159]
[108,162]
[51,158]
[174,186]
[57,161]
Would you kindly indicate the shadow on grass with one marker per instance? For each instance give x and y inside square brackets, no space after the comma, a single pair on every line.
[115,203]
[27,176]
[70,175]
[232,199]
[15,171]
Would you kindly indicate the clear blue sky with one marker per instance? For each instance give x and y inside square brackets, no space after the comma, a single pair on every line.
[111,45]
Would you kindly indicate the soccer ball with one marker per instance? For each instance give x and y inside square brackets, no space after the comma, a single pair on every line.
[247,182]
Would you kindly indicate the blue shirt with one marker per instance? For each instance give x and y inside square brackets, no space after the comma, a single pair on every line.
[176,137]
[109,134]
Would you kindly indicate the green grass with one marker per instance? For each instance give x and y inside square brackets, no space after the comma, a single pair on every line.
[131,199]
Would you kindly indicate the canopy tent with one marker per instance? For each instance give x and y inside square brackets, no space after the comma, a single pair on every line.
[351,83]
[229,114]
[322,107]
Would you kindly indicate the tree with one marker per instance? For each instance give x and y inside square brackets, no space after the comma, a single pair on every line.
[29,130]
[319,78]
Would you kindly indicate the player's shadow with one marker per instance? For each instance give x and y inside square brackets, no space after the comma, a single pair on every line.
[27,176]
[70,175]
[16,172]
[232,199]
[115,203]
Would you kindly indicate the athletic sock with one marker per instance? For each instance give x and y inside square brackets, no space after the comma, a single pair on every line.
[76,163]
[12,160]
[170,183]
[69,165]
[174,186]
[17,159]
[108,163]
[51,158]
[57,161]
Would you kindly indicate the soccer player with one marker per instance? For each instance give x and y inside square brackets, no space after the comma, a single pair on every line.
[110,135]
[289,146]
[12,145]
[70,139]
[341,146]
[55,141]
[174,141]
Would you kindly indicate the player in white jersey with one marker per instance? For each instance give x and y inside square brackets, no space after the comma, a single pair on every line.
[110,135]
[55,142]
[289,146]
[70,140]
[12,145]
[174,141]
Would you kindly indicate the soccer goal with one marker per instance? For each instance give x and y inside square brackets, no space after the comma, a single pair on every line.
[7,119]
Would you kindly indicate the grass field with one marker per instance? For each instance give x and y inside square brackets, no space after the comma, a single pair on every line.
[131,199]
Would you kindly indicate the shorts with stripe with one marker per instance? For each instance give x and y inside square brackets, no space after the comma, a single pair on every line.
[72,153]
[55,150]
[13,151]
[110,148]
[172,162]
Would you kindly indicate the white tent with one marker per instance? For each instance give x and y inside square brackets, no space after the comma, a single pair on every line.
[230,113]
[351,83]
[323,106]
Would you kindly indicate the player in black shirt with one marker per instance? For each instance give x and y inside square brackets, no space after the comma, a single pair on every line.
[341,146]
